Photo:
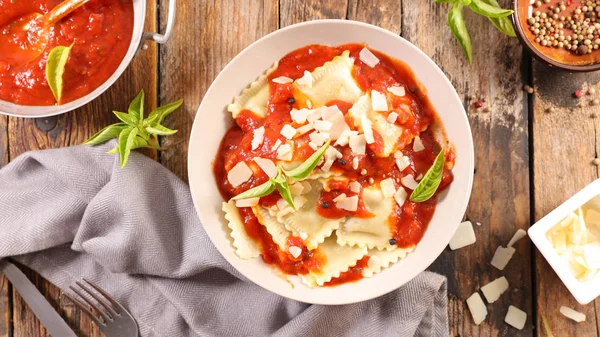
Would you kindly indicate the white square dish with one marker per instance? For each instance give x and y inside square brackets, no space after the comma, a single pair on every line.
[584,292]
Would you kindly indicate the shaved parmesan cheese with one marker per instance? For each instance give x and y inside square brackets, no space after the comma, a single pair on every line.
[502,257]
[572,314]
[419,177]
[288,131]
[358,144]
[516,317]
[355,163]
[592,217]
[304,129]
[276,145]
[388,188]
[307,187]
[591,254]
[327,166]
[338,125]
[344,138]
[378,101]
[299,201]
[258,137]
[391,118]
[308,104]
[332,153]
[282,204]
[239,174]
[400,196]
[340,197]
[295,251]
[494,289]
[418,144]
[306,80]
[348,204]
[300,116]
[303,235]
[367,129]
[409,182]
[282,80]
[266,165]
[464,236]
[329,111]
[398,91]
[247,202]
[402,162]
[322,125]
[285,152]
[477,308]
[518,236]
[374,262]
[355,186]
[296,189]
[368,58]
[318,138]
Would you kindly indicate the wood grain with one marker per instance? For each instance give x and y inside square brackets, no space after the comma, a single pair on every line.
[5,287]
[208,34]
[296,11]
[500,197]
[383,13]
[565,140]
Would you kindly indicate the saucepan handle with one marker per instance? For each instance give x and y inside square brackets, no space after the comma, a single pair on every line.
[163,38]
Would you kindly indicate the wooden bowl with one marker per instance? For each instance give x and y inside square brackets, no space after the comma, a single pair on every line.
[570,62]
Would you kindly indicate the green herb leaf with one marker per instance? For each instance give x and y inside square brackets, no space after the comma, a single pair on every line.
[126,118]
[309,164]
[159,130]
[136,108]
[480,7]
[157,115]
[114,150]
[55,68]
[126,141]
[256,192]
[459,29]
[286,194]
[106,134]
[503,24]
[431,181]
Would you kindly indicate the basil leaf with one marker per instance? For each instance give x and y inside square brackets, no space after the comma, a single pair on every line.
[159,130]
[106,134]
[503,24]
[114,150]
[136,108]
[126,141]
[256,192]
[480,7]
[55,68]
[309,164]
[157,115]
[286,194]
[459,29]
[431,180]
[126,118]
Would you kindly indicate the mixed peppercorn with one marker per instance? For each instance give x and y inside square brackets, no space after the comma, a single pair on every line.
[560,26]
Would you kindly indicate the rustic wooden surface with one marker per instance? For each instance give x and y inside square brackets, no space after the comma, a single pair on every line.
[527,161]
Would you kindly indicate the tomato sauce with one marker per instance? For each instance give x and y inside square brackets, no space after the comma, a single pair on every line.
[415,114]
[100,30]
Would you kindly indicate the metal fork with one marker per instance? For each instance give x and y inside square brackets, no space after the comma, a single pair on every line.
[113,320]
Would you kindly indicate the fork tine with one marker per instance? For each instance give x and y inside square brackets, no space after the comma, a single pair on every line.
[102,302]
[107,296]
[83,307]
[91,304]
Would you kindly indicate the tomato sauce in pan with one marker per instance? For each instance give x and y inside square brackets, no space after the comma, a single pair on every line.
[408,222]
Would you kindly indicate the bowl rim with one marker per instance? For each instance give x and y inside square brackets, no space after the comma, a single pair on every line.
[468,157]
[55,110]
[541,56]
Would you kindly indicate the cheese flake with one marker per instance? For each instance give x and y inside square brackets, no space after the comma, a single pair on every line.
[303,235]
[374,262]
[247,202]
[401,196]
[418,144]
[358,144]
[318,138]
[288,131]
[516,317]
[355,163]
[304,129]
[397,90]
[282,80]
[322,125]
[300,116]
[282,204]
[387,187]
[239,174]
[409,181]
[367,129]
[572,314]
[344,138]
[464,236]
[327,166]
[502,256]
[340,197]
[494,289]
[368,58]
[307,188]
[276,145]
[518,236]
[267,166]
[296,189]
[258,137]
[378,101]
[349,204]
[285,152]
[333,153]
[338,125]
[403,162]
[305,80]
[392,117]
[477,308]
[295,251]
[355,187]
[329,111]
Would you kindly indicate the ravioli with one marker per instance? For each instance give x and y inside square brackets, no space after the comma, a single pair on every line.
[332,81]
[246,248]
[384,259]
[274,227]
[373,232]
[255,97]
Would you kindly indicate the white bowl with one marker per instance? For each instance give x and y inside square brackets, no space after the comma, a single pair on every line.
[212,121]
[584,292]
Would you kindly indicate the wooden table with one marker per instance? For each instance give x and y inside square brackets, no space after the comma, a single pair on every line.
[527,161]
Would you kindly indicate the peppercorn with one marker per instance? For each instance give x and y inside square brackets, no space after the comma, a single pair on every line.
[478,104]
[392,241]
[596,161]
[578,93]
[581,50]
[325,204]
[342,162]
[291,100]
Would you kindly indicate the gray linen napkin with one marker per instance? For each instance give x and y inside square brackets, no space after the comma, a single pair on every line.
[71,213]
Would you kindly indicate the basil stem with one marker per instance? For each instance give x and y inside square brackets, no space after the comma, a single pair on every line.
[431,181]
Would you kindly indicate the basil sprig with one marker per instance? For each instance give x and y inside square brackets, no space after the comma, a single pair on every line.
[488,8]
[279,181]
[134,131]
[431,181]
[55,68]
